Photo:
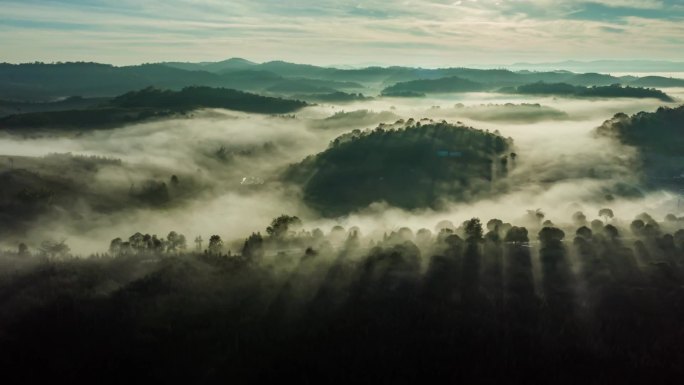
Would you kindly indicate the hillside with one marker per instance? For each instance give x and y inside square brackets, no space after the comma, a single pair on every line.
[511,113]
[657,81]
[358,118]
[150,103]
[40,81]
[72,103]
[47,82]
[659,138]
[442,85]
[93,118]
[414,166]
[190,98]
[612,91]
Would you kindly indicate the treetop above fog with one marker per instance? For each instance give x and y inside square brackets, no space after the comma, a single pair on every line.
[408,164]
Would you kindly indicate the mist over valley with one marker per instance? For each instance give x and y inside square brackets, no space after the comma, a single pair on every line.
[277,218]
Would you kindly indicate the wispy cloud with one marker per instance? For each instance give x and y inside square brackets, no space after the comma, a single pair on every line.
[418,32]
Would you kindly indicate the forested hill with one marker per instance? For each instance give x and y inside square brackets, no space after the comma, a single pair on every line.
[206,97]
[39,81]
[414,166]
[443,85]
[151,103]
[47,82]
[612,91]
[659,138]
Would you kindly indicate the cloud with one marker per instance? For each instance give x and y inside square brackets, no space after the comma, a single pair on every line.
[411,32]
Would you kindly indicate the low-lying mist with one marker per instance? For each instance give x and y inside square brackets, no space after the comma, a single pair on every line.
[228,165]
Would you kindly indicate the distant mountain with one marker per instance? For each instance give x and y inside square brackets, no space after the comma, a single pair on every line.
[191,98]
[657,81]
[564,89]
[593,79]
[333,97]
[250,79]
[48,82]
[233,64]
[297,70]
[86,119]
[511,113]
[354,119]
[71,103]
[442,85]
[605,66]
[291,86]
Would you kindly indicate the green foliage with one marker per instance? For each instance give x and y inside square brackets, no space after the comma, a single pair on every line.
[551,236]
[612,91]
[400,166]
[426,86]
[107,117]
[54,249]
[152,192]
[473,229]
[215,245]
[151,103]
[331,97]
[511,113]
[403,94]
[517,235]
[190,98]
[661,131]
[253,247]
[302,300]
[606,213]
[280,225]
[358,118]
[657,81]
[659,138]
[45,81]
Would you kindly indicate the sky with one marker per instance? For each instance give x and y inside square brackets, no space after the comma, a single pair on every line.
[427,33]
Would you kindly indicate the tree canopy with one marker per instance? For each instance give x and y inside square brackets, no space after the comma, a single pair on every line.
[411,167]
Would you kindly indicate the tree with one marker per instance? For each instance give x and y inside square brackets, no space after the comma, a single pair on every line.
[253,247]
[171,239]
[181,243]
[175,242]
[606,213]
[137,242]
[537,215]
[22,250]
[444,224]
[611,232]
[280,225]
[215,245]
[551,236]
[637,226]
[579,218]
[473,229]
[115,246]
[584,232]
[517,235]
[54,249]
[156,244]
[494,224]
